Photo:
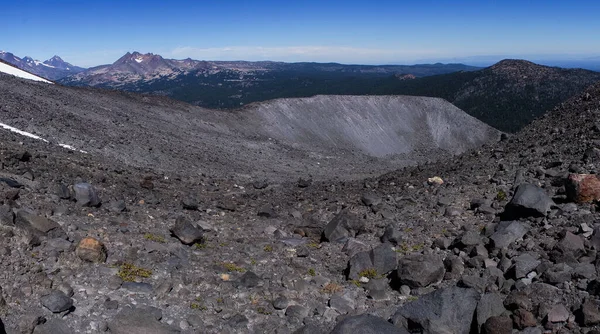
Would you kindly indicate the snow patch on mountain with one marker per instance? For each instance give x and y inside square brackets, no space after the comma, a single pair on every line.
[5,68]
[31,135]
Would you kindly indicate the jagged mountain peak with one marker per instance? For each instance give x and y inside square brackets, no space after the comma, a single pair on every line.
[53,69]
[138,57]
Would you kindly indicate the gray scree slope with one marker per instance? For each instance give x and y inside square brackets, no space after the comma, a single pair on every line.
[377,126]
[323,136]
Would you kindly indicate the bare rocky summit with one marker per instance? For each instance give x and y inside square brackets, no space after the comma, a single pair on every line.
[385,254]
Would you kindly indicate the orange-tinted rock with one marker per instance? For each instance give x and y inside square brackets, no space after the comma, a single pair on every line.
[582,188]
[91,250]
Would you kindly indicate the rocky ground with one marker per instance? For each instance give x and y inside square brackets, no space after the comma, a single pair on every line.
[501,239]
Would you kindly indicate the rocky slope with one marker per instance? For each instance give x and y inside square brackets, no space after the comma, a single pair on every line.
[495,240]
[343,133]
[52,69]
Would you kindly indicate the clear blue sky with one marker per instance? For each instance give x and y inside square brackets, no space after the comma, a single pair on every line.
[89,33]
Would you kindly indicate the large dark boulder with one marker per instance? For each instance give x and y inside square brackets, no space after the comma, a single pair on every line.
[366,324]
[420,270]
[448,310]
[528,201]
[343,226]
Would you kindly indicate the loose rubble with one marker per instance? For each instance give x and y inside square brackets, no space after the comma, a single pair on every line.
[507,243]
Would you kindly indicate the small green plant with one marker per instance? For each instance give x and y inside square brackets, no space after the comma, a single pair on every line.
[199,245]
[198,306]
[312,272]
[268,248]
[313,245]
[262,310]
[232,267]
[412,298]
[155,238]
[355,282]
[130,273]
[253,261]
[408,229]
[220,300]
[501,195]
[368,273]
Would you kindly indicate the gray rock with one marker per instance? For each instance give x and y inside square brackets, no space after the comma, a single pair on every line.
[57,301]
[589,314]
[528,201]
[53,326]
[376,289]
[38,225]
[267,211]
[190,202]
[370,199]
[111,304]
[469,238]
[448,310]
[63,192]
[238,321]
[249,280]
[392,234]
[138,321]
[343,226]
[571,244]
[297,311]
[490,305]
[308,329]
[524,264]
[260,184]
[342,303]
[280,303]
[187,233]
[359,263]
[366,324]
[86,195]
[420,270]
[137,287]
[508,232]
[353,247]
[558,313]
[117,206]
[558,273]
[382,258]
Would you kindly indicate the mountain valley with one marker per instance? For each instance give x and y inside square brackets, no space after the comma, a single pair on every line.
[156,216]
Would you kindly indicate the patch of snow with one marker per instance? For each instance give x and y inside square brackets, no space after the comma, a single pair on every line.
[5,68]
[23,133]
[139,59]
[47,65]
[31,135]
[69,147]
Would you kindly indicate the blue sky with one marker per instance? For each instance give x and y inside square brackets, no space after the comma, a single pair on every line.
[89,33]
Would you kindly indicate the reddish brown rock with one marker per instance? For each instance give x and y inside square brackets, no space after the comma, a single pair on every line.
[91,250]
[523,319]
[582,188]
[498,325]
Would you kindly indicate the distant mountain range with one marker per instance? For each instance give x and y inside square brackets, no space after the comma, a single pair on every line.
[227,84]
[53,69]
[507,95]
